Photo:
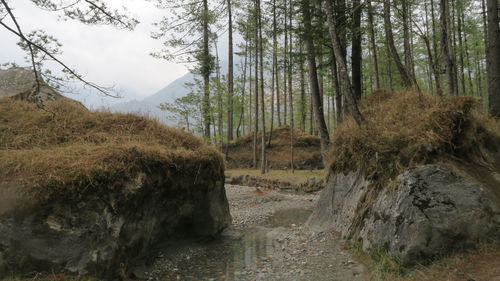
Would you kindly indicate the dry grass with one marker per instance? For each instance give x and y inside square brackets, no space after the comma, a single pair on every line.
[307,152]
[480,264]
[298,177]
[406,129]
[79,150]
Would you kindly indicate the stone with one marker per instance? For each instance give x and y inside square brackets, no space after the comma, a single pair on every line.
[114,227]
[432,209]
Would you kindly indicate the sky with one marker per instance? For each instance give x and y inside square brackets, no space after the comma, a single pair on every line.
[105,55]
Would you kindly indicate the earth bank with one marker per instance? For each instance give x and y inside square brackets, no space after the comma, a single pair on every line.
[89,192]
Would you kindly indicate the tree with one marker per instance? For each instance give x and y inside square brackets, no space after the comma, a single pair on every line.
[313,78]
[408,79]
[493,58]
[346,84]
[183,109]
[446,44]
[230,74]
[42,47]
[186,34]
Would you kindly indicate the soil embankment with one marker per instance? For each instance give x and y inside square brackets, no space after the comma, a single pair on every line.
[307,154]
[90,192]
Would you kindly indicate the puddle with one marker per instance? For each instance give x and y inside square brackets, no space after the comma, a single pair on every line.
[234,257]
[287,217]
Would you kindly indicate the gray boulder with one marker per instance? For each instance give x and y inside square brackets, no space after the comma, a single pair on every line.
[431,210]
[103,231]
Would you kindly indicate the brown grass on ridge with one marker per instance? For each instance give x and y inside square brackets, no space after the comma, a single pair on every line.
[407,129]
[80,149]
[307,152]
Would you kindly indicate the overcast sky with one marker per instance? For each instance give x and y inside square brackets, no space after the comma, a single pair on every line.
[106,55]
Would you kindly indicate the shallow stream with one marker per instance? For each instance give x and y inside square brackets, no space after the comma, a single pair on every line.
[234,255]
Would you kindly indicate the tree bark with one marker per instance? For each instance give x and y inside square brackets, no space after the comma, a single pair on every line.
[373,45]
[437,75]
[206,72]
[313,80]
[346,84]
[356,57]
[230,75]
[275,62]
[408,79]
[493,59]
[446,47]
[262,106]
[256,86]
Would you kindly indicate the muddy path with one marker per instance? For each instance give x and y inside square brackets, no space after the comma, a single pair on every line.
[268,241]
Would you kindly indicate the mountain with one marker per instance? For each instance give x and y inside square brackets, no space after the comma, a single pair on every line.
[149,106]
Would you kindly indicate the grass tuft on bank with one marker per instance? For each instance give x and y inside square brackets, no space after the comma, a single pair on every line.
[407,129]
[67,149]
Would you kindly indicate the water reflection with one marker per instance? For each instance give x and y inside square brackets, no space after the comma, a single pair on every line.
[234,259]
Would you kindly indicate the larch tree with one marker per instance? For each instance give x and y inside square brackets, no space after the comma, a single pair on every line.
[493,58]
[186,34]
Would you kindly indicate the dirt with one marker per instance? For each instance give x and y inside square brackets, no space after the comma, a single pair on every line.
[267,241]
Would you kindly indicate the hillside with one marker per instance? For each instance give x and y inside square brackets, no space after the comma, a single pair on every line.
[18,83]
[307,154]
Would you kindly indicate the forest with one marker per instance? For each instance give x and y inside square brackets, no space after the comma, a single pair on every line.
[308,63]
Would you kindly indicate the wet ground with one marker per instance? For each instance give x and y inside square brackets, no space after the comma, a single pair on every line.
[268,241]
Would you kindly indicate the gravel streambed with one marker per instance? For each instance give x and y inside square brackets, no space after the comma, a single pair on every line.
[268,241]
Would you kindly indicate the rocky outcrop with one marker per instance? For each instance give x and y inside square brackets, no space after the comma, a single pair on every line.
[19,83]
[102,232]
[431,210]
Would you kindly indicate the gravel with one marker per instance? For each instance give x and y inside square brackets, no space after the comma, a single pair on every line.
[260,248]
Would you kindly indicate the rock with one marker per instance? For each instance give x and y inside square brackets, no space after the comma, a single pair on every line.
[18,83]
[430,211]
[114,226]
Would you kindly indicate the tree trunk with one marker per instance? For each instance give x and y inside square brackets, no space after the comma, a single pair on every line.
[313,81]
[446,47]
[243,88]
[346,84]
[206,72]
[230,75]
[262,106]
[493,59]
[219,95]
[256,86]
[461,48]
[302,91]
[290,67]
[373,45]
[406,36]
[275,63]
[437,75]
[356,57]
[285,63]
[467,56]
[408,80]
